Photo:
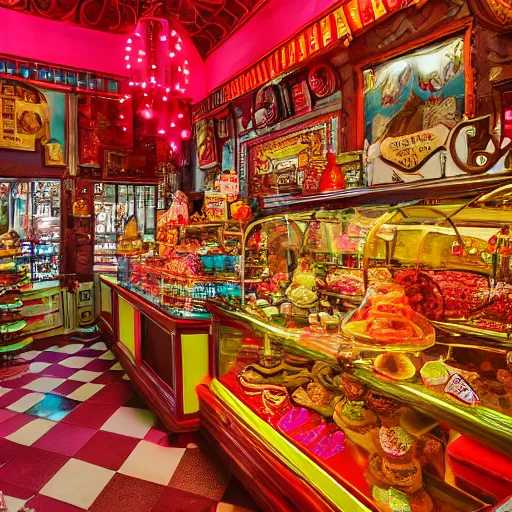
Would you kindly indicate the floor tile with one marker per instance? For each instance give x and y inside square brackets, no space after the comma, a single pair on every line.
[50,357]
[21,381]
[90,415]
[76,362]
[70,349]
[13,424]
[152,462]
[53,407]
[201,472]
[228,507]
[117,393]
[56,370]
[38,367]
[9,450]
[44,384]
[175,500]
[4,391]
[26,402]
[87,352]
[99,346]
[32,468]
[16,491]
[85,391]
[6,414]
[31,432]
[13,503]
[85,376]
[129,421]
[65,439]
[44,504]
[107,450]
[67,387]
[9,398]
[109,377]
[117,366]
[127,493]
[109,355]
[126,377]
[99,365]
[30,354]
[78,483]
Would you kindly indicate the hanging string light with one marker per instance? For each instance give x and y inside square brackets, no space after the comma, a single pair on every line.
[159,74]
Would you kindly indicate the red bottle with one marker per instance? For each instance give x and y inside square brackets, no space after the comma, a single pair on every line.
[332,177]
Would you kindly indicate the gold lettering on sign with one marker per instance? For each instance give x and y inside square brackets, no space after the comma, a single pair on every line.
[411,151]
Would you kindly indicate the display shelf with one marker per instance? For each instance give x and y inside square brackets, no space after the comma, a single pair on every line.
[387,194]
[489,426]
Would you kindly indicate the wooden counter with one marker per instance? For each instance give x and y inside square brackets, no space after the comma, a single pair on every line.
[165,356]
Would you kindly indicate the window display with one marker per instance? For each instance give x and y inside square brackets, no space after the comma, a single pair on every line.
[30,222]
[114,205]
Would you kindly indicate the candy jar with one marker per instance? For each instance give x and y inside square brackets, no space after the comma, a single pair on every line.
[332,177]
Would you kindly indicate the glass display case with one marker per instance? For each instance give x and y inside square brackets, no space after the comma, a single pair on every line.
[114,204]
[374,338]
[30,220]
[187,265]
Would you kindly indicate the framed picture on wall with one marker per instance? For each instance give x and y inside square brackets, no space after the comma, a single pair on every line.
[415,92]
[33,119]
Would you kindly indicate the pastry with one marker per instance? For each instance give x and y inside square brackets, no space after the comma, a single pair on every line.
[358,422]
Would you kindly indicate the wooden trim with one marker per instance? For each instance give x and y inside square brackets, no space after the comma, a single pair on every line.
[160,398]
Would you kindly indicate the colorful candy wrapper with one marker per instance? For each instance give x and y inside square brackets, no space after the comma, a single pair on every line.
[461,390]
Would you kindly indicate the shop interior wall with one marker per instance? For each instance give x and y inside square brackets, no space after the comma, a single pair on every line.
[36,38]
[275,22]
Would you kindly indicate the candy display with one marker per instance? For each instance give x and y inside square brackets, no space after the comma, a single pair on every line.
[372,337]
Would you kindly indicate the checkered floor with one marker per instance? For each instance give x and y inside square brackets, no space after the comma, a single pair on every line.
[74,436]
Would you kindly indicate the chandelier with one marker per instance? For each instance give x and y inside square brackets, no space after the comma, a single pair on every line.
[158,77]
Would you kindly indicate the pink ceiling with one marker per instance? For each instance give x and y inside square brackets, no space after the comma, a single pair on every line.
[71,45]
[275,22]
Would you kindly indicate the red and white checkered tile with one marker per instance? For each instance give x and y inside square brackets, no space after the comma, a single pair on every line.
[74,437]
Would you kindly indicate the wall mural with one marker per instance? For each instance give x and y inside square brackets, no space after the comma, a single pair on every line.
[415,92]
[32,119]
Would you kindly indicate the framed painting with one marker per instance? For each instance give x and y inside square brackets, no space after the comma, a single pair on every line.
[291,161]
[415,92]
[34,119]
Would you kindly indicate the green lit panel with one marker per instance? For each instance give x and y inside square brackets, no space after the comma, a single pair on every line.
[126,320]
[194,363]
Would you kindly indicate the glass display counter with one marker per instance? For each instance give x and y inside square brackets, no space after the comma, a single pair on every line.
[189,265]
[373,358]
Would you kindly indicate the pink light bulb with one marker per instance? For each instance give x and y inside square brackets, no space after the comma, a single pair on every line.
[139,60]
[163,38]
[121,116]
[129,41]
[173,125]
[180,116]
[172,54]
[124,128]
[167,89]
[164,98]
[173,33]
[127,57]
[131,84]
[153,66]
[185,134]
[128,49]
[161,132]
[128,66]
